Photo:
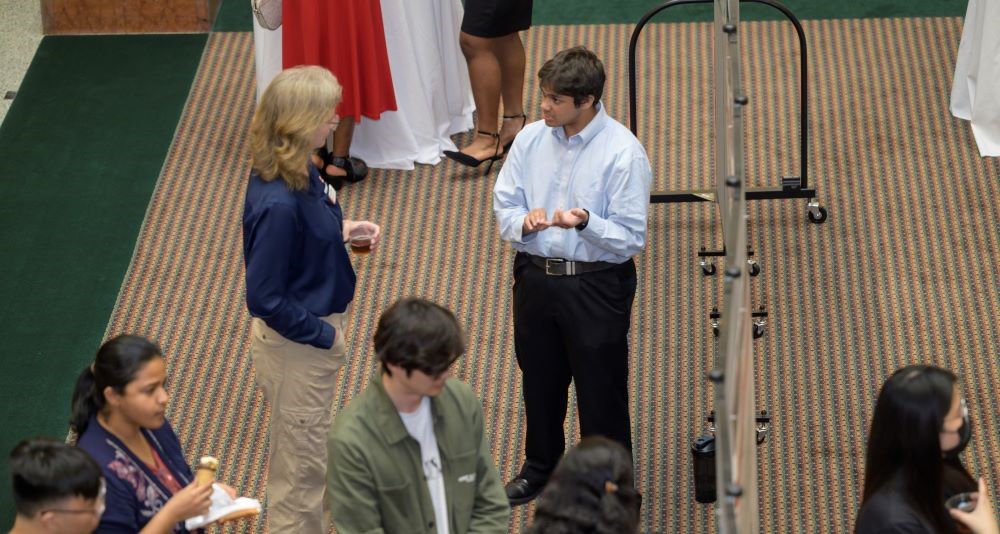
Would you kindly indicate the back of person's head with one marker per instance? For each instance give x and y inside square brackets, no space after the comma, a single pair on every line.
[592,490]
[297,102]
[904,444]
[417,334]
[46,473]
[575,72]
[118,362]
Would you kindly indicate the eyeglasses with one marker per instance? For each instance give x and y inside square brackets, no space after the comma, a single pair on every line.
[97,510]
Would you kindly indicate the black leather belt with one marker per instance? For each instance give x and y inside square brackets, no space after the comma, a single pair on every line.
[561,267]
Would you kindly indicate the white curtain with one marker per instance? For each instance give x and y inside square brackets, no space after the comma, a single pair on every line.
[431,80]
[975,91]
[267,55]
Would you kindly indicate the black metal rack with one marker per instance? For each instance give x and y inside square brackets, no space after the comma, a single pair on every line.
[791,187]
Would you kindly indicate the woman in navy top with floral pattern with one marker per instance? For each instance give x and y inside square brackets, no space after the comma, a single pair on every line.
[119,416]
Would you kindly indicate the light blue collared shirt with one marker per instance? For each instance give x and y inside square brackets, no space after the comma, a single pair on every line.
[602,169]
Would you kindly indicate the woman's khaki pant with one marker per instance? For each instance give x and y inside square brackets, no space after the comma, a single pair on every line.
[298,381]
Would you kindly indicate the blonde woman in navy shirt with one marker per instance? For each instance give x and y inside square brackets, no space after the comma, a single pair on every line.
[300,284]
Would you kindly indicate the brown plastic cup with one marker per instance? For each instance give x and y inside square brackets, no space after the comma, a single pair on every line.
[361,243]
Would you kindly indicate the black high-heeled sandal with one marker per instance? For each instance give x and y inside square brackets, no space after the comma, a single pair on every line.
[334,181]
[470,161]
[524,121]
[355,168]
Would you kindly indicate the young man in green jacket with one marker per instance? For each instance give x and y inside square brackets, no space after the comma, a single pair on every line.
[409,454]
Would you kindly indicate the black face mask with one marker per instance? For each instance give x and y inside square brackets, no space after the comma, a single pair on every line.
[964,435]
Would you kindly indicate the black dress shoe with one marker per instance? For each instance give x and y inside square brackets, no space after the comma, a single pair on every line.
[522,491]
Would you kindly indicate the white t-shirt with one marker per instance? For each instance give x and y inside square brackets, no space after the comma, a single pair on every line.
[420,426]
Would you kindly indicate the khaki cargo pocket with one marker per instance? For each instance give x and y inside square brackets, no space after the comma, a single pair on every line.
[303,434]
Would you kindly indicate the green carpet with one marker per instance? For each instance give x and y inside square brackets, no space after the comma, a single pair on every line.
[80,151]
[234,15]
[629,11]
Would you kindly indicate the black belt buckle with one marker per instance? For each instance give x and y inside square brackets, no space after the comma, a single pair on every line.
[551,262]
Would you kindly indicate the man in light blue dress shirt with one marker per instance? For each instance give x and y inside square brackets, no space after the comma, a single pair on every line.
[571,199]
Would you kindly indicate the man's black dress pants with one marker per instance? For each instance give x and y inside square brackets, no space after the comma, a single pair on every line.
[572,328]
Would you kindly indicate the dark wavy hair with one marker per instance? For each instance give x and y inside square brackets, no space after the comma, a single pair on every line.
[417,334]
[44,471]
[904,445]
[575,72]
[118,362]
[592,490]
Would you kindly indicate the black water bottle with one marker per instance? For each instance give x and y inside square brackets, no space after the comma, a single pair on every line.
[703,451]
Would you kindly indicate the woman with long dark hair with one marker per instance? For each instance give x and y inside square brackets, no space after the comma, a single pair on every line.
[920,426]
[118,415]
[592,490]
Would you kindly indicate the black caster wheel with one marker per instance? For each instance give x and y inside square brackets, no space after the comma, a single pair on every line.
[754,268]
[817,215]
[758,331]
[707,269]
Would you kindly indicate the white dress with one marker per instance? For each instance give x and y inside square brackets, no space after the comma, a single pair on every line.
[431,80]
[429,76]
[975,92]
[267,55]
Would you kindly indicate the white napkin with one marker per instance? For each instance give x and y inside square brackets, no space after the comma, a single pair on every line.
[222,505]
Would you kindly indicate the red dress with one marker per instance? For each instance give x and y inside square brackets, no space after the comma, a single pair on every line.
[345,36]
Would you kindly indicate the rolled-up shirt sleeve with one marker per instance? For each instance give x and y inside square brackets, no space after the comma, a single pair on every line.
[271,237]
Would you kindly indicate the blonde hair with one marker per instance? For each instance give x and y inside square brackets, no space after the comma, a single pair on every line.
[293,106]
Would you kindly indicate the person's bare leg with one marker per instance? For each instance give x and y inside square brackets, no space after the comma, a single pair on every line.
[484,75]
[342,137]
[510,54]
[342,148]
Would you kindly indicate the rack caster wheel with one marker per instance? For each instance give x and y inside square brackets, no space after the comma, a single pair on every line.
[758,329]
[707,268]
[817,214]
[763,425]
[754,267]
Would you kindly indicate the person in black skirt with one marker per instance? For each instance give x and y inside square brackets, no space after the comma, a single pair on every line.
[495,54]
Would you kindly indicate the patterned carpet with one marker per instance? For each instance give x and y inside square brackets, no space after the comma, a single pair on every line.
[903,271]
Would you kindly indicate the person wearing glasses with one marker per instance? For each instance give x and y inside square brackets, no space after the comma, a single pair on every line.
[409,453]
[299,286]
[119,418]
[57,488]
[921,424]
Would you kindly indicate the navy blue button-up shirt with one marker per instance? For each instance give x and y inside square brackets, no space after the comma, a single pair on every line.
[297,268]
